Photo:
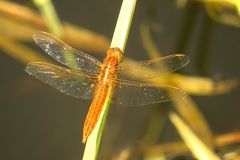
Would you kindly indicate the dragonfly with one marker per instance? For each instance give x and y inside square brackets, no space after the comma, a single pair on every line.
[83,76]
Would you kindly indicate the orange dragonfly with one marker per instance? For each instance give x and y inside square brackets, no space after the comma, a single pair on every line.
[89,78]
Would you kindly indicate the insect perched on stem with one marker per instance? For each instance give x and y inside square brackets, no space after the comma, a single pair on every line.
[88,78]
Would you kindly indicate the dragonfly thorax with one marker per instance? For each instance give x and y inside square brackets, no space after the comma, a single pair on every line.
[115,52]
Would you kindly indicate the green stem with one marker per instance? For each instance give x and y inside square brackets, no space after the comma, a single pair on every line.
[124,22]
[119,40]
[49,14]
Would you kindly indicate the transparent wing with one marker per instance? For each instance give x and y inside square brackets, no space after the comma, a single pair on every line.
[65,54]
[132,93]
[152,68]
[71,82]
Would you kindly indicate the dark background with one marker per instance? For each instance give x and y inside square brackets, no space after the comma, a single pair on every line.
[42,123]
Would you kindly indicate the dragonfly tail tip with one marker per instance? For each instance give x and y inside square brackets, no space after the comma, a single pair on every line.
[84,139]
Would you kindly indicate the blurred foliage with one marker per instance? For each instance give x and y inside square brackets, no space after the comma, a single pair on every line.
[195,130]
[19,23]
[222,11]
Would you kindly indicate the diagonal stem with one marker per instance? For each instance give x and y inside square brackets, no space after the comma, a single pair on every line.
[119,40]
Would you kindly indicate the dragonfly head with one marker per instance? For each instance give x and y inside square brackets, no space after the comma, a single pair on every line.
[115,52]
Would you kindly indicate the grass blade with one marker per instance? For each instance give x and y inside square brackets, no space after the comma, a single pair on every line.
[197,147]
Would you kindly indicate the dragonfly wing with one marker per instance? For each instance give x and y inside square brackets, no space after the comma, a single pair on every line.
[65,54]
[152,68]
[71,82]
[132,93]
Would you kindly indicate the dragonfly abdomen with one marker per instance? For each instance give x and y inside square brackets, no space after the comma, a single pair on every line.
[95,110]
[106,76]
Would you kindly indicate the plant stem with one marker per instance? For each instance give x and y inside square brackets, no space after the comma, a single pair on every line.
[119,40]
[124,22]
[49,14]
